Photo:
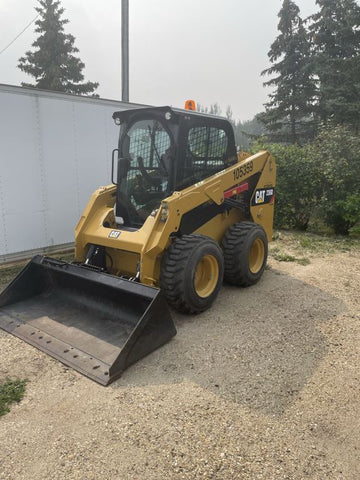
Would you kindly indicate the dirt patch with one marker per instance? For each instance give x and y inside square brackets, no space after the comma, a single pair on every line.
[264,385]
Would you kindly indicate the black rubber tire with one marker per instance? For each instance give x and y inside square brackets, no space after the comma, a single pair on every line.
[237,243]
[179,265]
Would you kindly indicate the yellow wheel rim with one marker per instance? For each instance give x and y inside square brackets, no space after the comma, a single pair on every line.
[256,255]
[206,276]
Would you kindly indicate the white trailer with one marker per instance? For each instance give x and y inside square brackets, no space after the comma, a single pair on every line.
[55,150]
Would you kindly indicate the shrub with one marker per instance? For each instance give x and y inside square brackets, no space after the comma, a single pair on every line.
[337,153]
[297,184]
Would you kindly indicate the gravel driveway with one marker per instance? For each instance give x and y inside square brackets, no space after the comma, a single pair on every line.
[265,385]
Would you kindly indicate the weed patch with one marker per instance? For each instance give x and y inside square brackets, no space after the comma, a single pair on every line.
[303,261]
[305,243]
[10,391]
[286,257]
[283,257]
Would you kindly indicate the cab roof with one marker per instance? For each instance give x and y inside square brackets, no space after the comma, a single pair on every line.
[175,112]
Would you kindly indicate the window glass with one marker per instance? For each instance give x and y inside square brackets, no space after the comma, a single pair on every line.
[148,140]
[218,143]
[207,143]
[206,154]
[146,183]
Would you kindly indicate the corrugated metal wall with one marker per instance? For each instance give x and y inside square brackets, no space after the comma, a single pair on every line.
[55,150]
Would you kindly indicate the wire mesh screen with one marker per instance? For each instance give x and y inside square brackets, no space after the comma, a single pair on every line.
[148,140]
[147,178]
[205,153]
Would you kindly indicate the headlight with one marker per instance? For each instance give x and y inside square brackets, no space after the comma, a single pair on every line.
[164,212]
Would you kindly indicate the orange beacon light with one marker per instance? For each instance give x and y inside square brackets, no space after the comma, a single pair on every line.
[190,105]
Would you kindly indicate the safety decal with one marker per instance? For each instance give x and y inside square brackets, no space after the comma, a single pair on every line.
[263,195]
[236,190]
[114,234]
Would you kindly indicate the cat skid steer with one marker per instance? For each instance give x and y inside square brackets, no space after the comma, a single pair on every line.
[184,212]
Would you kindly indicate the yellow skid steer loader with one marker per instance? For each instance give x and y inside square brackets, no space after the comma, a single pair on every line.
[184,212]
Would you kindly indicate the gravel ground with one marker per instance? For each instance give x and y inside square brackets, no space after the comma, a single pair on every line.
[265,385]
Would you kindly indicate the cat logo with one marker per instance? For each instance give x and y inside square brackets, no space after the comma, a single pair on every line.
[259,196]
[263,196]
[114,234]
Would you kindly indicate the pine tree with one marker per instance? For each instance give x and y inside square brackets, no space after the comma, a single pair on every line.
[248,131]
[336,36]
[288,115]
[215,109]
[52,63]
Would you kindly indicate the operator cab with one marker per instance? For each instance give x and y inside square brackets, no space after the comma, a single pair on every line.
[162,150]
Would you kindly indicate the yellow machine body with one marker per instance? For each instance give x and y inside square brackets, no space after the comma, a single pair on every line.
[141,250]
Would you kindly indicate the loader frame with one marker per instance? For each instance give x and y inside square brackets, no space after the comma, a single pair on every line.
[141,250]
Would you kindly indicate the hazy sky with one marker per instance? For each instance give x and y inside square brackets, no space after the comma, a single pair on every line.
[207,50]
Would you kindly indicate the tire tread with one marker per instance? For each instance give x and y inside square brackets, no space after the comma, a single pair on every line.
[173,265]
[233,244]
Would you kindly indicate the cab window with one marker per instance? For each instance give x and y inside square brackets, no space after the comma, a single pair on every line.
[206,153]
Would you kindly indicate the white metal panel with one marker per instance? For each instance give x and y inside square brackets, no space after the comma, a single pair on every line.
[58,157]
[21,174]
[55,150]
[93,154]
[2,217]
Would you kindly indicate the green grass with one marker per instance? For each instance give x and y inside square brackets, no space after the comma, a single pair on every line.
[327,244]
[300,247]
[283,257]
[10,391]
[7,274]
[303,261]
[286,257]
[310,244]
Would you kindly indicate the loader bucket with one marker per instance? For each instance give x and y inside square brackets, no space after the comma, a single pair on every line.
[96,323]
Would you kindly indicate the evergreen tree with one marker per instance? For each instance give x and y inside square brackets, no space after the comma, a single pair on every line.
[288,113]
[336,35]
[229,114]
[214,109]
[248,131]
[52,63]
